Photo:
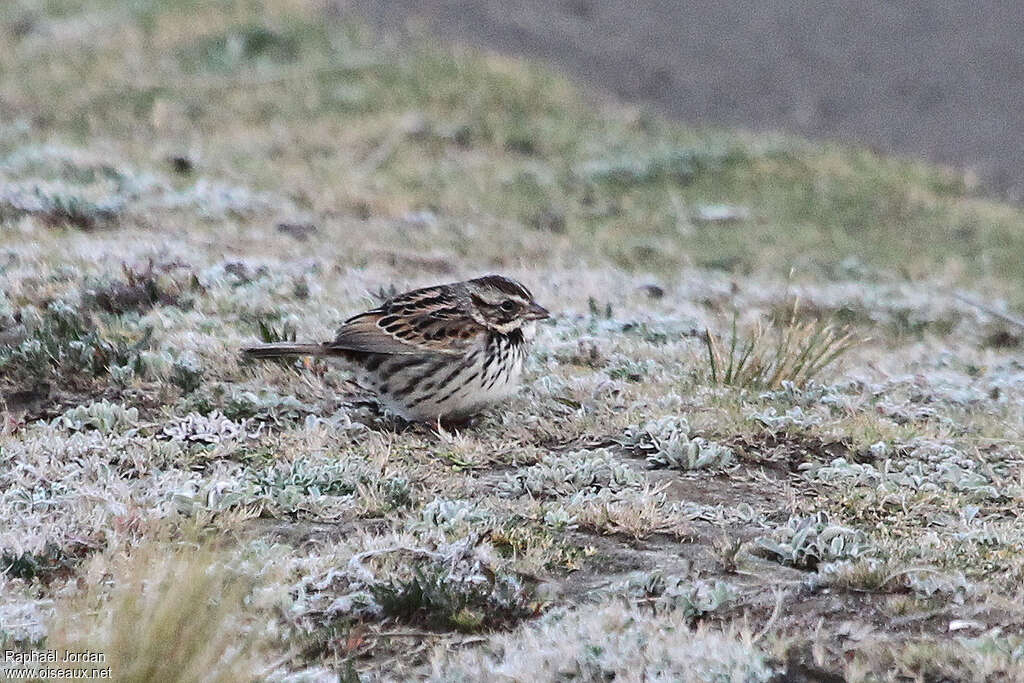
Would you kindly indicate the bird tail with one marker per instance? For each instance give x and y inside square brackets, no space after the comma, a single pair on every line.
[281,349]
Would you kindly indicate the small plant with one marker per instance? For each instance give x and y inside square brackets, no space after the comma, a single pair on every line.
[59,208]
[140,290]
[271,335]
[693,599]
[102,416]
[187,373]
[209,429]
[673,165]
[299,479]
[266,406]
[397,492]
[438,598]
[726,550]
[628,370]
[668,444]
[51,562]
[450,515]
[566,474]
[63,345]
[795,353]
[806,542]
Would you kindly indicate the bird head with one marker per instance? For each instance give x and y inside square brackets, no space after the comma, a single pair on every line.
[502,304]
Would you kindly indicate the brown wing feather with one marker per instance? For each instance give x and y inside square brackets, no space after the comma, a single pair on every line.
[422,321]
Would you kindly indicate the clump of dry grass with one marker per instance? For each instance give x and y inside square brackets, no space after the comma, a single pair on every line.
[166,614]
[141,289]
[770,356]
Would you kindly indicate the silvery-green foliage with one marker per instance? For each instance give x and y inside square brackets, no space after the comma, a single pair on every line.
[739,513]
[397,492]
[265,406]
[651,434]
[59,343]
[810,395]
[103,416]
[840,469]
[187,372]
[684,453]
[340,421]
[668,443]
[568,473]
[282,488]
[930,467]
[448,515]
[794,417]
[609,641]
[217,200]
[215,495]
[6,311]
[558,517]
[210,429]
[954,585]
[58,202]
[806,542]
[122,375]
[994,643]
[443,585]
[623,367]
[303,478]
[693,598]
[678,164]
[30,356]
[155,364]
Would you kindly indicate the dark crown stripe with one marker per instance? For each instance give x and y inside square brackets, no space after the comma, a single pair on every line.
[503,284]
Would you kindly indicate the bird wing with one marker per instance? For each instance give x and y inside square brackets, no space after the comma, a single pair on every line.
[423,321]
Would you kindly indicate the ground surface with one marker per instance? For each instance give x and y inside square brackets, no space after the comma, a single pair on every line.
[916,77]
[178,180]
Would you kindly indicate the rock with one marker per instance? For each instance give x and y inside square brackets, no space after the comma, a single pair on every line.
[721,214]
[652,290]
[965,624]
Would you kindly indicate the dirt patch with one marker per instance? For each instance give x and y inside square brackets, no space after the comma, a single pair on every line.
[786,452]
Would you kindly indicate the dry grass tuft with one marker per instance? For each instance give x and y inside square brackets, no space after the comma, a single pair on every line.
[166,614]
[770,357]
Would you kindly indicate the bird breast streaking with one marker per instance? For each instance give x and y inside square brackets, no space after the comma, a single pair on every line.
[443,352]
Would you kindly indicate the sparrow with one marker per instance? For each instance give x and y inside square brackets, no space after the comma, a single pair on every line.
[438,353]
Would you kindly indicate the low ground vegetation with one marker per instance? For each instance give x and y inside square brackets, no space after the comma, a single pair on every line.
[700,481]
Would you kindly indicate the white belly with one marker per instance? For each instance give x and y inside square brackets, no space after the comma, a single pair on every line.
[476,385]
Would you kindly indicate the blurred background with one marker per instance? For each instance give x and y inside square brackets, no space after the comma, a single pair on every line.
[940,80]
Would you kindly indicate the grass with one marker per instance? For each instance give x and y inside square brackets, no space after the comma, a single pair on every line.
[794,353]
[172,614]
[676,492]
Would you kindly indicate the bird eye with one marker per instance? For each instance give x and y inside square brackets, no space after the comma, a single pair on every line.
[508,305]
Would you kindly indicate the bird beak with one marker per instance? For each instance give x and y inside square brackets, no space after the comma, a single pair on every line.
[537,312]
